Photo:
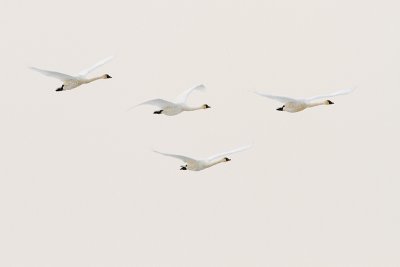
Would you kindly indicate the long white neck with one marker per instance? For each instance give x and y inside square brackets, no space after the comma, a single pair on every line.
[93,79]
[215,162]
[187,108]
[310,105]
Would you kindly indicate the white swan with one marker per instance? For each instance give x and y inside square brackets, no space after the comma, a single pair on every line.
[295,105]
[173,108]
[198,165]
[71,82]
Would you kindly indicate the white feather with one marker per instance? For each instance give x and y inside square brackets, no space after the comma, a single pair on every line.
[60,76]
[282,99]
[227,153]
[95,66]
[341,92]
[182,98]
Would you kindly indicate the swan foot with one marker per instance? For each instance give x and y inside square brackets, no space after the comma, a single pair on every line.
[158,112]
[183,168]
[60,89]
[280,109]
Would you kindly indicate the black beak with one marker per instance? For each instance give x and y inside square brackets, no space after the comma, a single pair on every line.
[183,168]
[280,109]
[228,159]
[330,102]
[207,106]
[108,76]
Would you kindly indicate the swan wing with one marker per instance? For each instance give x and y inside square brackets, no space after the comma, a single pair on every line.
[227,153]
[282,99]
[95,66]
[341,92]
[161,103]
[183,158]
[182,98]
[60,76]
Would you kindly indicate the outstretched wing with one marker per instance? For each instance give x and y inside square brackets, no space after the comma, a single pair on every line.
[282,99]
[161,103]
[95,66]
[341,92]
[224,154]
[60,76]
[183,158]
[182,98]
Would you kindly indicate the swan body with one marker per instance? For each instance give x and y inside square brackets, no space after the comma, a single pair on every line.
[179,105]
[293,105]
[201,164]
[71,82]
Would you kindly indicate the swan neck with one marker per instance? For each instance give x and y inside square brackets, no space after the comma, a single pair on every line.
[215,162]
[319,103]
[187,108]
[93,79]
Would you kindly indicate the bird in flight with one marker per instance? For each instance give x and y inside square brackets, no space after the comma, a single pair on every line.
[179,105]
[71,82]
[201,164]
[298,104]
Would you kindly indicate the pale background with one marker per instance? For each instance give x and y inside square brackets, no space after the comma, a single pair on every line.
[80,185]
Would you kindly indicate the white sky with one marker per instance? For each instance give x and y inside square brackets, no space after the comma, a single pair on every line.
[80,186]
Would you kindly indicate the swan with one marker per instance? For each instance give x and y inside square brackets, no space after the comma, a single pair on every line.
[71,82]
[295,105]
[174,108]
[198,165]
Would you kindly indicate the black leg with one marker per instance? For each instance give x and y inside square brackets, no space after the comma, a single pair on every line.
[157,112]
[61,88]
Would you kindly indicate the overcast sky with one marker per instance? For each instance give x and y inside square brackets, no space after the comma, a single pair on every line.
[80,185]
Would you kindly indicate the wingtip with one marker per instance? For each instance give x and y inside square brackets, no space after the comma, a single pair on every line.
[106,60]
[35,69]
[131,108]
[248,146]
[158,152]
[201,86]
[349,90]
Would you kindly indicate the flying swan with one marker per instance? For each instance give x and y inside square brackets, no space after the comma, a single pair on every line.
[173,108]
[201,164]
[71,82]
[295,105]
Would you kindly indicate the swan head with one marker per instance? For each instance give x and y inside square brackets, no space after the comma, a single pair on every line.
[106,76]
[206,106]
[227,159]
[183,168]
[328,102]
[281,108]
